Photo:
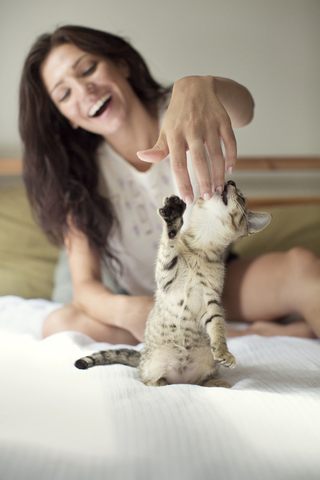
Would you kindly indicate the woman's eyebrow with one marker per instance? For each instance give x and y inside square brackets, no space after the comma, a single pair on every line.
[79,59]
[73,66]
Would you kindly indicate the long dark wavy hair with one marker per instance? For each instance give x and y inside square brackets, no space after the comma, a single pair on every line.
[59,162]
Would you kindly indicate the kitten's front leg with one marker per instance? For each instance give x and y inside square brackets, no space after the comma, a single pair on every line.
[172,213]
[213,320]
[168,255]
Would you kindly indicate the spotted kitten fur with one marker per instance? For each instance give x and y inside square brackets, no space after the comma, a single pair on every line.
[185,339]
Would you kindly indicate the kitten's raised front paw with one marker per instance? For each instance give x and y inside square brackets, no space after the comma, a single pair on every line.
[224,357]
[173,208]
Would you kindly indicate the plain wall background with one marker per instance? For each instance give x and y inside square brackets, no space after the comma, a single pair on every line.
[271,46]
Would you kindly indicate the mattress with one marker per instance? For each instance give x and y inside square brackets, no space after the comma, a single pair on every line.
[60,423]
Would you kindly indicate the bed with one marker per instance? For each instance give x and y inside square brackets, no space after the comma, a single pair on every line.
[60,423]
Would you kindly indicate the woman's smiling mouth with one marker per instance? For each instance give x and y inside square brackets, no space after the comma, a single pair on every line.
[100,106]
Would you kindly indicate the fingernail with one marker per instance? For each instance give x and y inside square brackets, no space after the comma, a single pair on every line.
[140,155]
[230,170]
[219,190]
[188,200]
[207,196]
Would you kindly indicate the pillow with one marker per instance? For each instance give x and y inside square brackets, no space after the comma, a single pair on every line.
[291,226]
[27,259]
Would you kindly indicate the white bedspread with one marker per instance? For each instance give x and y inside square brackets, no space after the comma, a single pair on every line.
[60,423]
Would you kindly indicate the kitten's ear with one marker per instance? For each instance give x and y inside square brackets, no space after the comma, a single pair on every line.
[257,222]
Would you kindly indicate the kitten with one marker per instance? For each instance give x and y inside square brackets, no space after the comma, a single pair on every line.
[185,339]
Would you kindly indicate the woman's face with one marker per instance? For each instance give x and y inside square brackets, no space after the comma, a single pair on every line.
[90,91]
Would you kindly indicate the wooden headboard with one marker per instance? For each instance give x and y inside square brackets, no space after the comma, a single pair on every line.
[306,165]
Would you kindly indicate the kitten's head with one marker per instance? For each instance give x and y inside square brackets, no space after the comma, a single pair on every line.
[228,215]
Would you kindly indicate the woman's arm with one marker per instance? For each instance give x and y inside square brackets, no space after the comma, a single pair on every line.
[202,112]
[97,301]
[236,99]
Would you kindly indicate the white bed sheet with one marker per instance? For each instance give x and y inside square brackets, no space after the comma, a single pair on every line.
[60,423]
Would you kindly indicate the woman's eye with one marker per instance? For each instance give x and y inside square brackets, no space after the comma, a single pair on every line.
[91,69]
[65,96]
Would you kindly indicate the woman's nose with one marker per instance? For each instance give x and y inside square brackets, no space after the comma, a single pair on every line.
[84,88]
[90,87]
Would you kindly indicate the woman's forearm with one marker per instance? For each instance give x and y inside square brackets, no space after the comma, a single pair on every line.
[236,99]
[122,311]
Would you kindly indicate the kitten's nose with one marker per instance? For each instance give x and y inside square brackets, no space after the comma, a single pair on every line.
[231,182]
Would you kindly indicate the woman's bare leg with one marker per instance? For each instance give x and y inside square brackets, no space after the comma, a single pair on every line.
[270,329]
[273,286]
[71,318]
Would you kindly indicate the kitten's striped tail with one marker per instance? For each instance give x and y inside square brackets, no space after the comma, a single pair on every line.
[125,356]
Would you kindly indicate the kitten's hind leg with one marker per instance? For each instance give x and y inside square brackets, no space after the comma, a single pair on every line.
[210,379]
[162,382]
[216,383]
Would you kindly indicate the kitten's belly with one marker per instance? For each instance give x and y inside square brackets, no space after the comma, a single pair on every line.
[187,374]
[182,366]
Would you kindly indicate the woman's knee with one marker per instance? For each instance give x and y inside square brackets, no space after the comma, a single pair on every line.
[70,318]
[302,262]
[58,320]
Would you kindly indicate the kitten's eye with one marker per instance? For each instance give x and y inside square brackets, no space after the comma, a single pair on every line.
[90,70]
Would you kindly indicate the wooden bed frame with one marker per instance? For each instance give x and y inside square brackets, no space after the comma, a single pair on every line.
[13,167]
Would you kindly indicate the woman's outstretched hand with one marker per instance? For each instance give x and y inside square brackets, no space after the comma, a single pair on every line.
[201,115]
[196,120]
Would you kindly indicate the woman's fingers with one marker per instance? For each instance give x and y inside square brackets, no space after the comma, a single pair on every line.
[158,152]
[197,121]
[230,147]
[177,150]
[219,161]
[177,146]
[201,167]
[179,167]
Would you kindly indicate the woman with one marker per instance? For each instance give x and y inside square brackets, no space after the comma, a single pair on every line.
[88,104]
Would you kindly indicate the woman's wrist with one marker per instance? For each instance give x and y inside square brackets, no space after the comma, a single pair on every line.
[121,310]
[235,98]
[93,298]
[133,312]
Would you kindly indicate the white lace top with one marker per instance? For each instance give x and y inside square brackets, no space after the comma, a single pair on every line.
[135,196]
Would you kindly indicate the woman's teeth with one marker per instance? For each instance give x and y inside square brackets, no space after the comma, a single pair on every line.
[96,107]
